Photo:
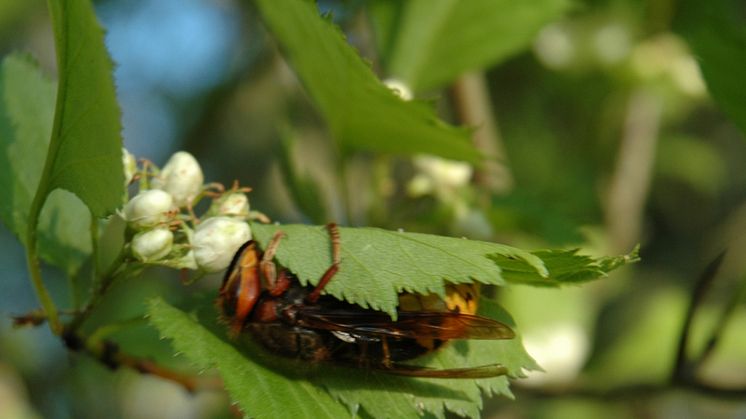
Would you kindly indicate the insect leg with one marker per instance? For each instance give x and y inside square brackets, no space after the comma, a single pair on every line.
[363,360]
[386,352]
[281,285]
[336,257]
[267,266]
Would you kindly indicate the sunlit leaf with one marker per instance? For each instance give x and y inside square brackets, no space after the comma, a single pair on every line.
[379,264]
[85,153]
[361,112]
[565,267]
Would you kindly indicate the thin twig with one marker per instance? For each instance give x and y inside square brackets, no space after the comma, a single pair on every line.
[723,321]
[632,391]
[95,269]
[109,354]
[34,270]
[682,370]
[32,318]
[36,317]
[630,181]
[189,382]
[99,289]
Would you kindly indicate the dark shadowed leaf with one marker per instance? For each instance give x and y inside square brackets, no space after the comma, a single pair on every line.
[361,112]
[717,34]
[26,113]
[437,40]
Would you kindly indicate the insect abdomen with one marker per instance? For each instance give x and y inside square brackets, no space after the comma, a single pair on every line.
[293,342]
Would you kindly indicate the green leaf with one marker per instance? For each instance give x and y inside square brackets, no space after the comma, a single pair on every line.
[361,112]
[718,37]
[26,114]
[261,392]
[440,39]
[64,237]
[85,152]
[565,267]
[379,264]
[269,386]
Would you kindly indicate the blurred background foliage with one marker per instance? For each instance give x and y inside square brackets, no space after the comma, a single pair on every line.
[604,134]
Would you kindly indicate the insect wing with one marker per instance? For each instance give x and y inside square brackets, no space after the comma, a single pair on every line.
[416,325]
[483,371]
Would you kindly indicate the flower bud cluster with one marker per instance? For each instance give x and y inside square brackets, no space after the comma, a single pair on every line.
[163,227]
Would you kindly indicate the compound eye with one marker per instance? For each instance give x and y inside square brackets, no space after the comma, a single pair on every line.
[230,291]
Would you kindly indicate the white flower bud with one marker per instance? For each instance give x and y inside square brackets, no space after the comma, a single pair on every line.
[181,177]
[443,172]
[130,166]
[420,185]
[231,204]
[152,245]
[400,88]
[187,261]
[148,208]
[217,239]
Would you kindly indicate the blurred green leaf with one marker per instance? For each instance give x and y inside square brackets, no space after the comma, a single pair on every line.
[362,113]
[526,212]
[717,34]
[385,18]
[439,39]
[261,392]
[379,264]
[692,161]
[26,113]
[13,12]
[565,267]
[303,188]
[656,322]
[85,153]
[64,238]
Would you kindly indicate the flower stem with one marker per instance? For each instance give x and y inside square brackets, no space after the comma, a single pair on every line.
[99,289]
[32,257]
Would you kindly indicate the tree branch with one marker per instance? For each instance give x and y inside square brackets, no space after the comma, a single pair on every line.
[632,391]
[109,354]
[471,100]
[683,369]
[630,181]
[725,317]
